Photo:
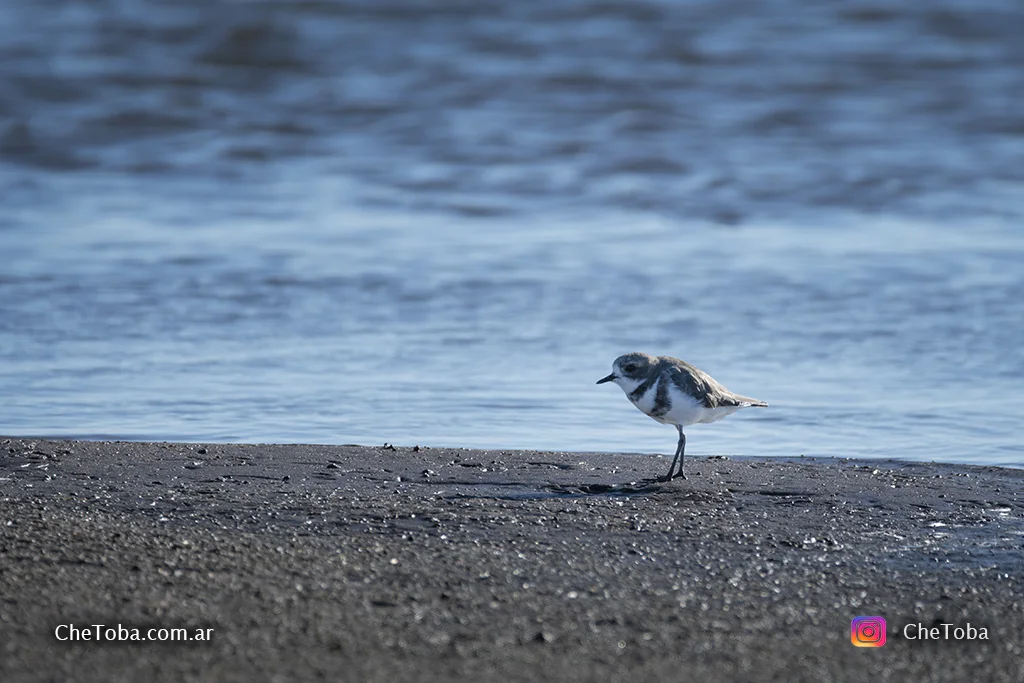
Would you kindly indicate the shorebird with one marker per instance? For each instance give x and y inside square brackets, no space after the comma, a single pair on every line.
[674,392]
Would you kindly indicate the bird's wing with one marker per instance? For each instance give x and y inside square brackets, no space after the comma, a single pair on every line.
[700,385]
[706,389]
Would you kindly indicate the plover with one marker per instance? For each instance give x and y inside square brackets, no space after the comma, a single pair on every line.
[674,392]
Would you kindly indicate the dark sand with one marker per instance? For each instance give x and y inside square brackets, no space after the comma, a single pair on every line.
[351,563]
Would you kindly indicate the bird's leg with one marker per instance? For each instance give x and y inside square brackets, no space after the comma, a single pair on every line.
[681,452]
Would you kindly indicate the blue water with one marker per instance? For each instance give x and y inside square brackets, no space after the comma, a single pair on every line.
[438,224]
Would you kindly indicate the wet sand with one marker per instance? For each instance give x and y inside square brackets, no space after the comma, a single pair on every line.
[400,564]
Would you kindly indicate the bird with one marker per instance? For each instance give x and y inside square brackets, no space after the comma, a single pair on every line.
[674,392]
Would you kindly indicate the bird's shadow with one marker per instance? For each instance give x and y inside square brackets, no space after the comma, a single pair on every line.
[628,489]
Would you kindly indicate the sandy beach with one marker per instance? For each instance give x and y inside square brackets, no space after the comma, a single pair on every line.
[403,563]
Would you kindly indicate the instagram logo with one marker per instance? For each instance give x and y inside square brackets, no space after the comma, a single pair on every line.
[867,631]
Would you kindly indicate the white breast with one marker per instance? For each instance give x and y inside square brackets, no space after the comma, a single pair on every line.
[646,401]
[684,409]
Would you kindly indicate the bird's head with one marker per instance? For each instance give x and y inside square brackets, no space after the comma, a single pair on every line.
[630,370]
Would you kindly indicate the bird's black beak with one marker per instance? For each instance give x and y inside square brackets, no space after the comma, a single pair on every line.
[609,378]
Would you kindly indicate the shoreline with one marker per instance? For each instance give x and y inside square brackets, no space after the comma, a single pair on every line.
[389,563]
[664,452]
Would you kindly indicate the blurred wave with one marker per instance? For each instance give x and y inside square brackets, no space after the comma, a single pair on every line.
[715,110]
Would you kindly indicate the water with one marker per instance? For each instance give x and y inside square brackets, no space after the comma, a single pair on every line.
[437,224]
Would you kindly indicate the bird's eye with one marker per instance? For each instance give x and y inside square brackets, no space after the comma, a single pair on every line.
[629,367]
